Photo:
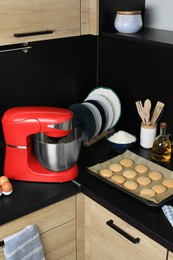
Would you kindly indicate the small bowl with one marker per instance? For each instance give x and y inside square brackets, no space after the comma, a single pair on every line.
[120,147]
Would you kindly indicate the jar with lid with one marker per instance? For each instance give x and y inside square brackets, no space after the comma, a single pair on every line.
[128,21]
[161,150]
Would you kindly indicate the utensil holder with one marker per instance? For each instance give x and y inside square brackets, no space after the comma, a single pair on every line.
[147,135]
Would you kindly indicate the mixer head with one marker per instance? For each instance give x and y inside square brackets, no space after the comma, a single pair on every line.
[20,122]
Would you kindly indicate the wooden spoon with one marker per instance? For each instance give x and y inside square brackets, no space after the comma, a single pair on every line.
[147,108]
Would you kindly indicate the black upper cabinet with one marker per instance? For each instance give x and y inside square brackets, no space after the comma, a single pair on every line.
[152,36]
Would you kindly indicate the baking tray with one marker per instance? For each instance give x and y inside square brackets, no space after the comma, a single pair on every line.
[158,200]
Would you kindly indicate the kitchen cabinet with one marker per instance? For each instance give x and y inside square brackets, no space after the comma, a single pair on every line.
[80,228]
[28,21]
[90,17]
[57,227]
[103,241]
[41,19]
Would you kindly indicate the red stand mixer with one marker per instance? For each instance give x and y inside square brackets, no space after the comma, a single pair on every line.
[20,125]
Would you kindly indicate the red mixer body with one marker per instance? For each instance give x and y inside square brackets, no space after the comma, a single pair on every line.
[19,124]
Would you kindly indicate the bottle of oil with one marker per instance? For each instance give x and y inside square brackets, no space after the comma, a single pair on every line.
[161,150]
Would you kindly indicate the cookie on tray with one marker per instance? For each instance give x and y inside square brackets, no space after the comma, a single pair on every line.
[126,162]
[168,182]
[147,192]
[106,173]
[129,173]
[159,188]
[141,168]
[131,185]
[155,175]
[143,180]
[115,167]
[118,179]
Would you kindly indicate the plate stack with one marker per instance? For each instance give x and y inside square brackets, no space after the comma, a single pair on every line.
[100,111]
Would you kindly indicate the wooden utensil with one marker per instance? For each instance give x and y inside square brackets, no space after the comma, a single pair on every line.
[156,113]
[147,108]
[140,110]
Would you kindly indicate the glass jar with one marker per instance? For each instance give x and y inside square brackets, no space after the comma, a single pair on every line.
[128,21]
[161,150]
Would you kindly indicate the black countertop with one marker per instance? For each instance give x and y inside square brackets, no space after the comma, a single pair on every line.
[28,197]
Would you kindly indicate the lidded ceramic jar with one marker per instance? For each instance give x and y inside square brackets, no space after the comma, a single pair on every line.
[128,21]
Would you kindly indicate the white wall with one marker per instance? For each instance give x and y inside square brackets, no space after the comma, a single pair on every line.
[159,14]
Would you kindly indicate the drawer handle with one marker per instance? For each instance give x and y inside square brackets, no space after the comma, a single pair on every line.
[18,35]
[122,232]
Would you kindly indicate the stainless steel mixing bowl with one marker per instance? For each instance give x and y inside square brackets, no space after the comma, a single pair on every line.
[57,154]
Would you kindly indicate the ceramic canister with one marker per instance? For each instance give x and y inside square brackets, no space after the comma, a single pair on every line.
[147,135]
[128,21]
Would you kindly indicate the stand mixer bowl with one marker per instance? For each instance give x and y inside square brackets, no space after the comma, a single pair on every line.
[57,154]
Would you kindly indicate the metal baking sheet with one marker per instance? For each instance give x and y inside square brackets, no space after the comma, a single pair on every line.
[158,199]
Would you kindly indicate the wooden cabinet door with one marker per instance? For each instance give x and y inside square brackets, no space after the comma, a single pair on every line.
[103,242]
[57,227]
[90,17]
[170,255]
[26,21]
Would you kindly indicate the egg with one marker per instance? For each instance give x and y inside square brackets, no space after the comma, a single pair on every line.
[3,179]
[7,188]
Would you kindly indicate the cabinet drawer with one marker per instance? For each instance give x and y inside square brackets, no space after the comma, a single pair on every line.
[18,17]
[103,241]
[59,242]
[47,220]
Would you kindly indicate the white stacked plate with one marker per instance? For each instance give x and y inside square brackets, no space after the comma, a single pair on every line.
[112,104]
[100,111]
[97,116]
[106,106]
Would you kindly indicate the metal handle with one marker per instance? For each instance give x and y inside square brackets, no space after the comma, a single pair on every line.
[122,232]
[18,35]
[24,48]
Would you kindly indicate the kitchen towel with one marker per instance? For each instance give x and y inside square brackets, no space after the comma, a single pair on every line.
[168,211]
[24,245]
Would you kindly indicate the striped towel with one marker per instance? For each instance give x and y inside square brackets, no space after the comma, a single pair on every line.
[24,245]
[168,211]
